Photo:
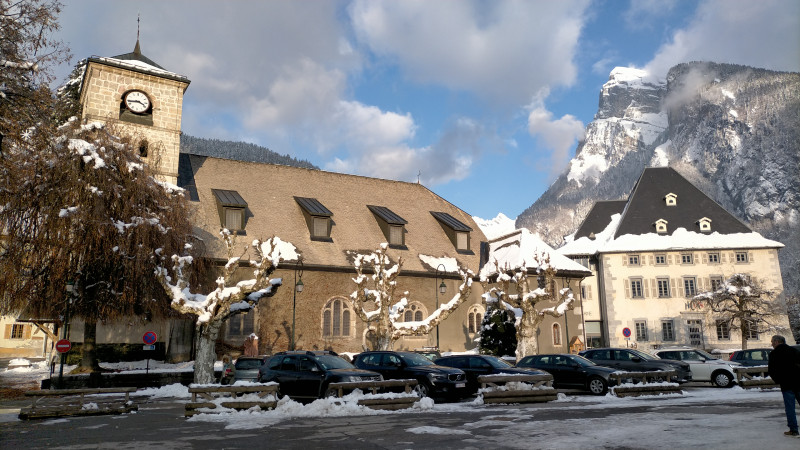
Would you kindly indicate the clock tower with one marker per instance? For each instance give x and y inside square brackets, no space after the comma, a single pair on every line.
[143,100]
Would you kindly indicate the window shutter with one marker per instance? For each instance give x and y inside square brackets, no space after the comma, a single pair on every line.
[749,257]
[625,260]
[627,288]
[732,257]
[681,291]
[26,333]
[645,288]
[653,288]
[705,258]
[652,260]
[7,334]
[696,258]
[589,291]
[669,259]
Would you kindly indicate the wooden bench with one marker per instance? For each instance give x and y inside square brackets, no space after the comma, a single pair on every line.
[74,402]
[224,396]
[494,389]
[391,403]
[645,383]
[754,377]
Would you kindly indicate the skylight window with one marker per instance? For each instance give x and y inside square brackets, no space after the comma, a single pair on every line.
[231,208]
[318,218]
[455,230]
[392,225]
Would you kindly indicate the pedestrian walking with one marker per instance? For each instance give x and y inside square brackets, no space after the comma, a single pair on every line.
[228,370]
[784,369]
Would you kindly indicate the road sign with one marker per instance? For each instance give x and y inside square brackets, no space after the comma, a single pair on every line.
[626,332]
[150,338]
[63,346]
[148,347]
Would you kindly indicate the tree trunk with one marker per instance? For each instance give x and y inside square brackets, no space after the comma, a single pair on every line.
[206,353]
[89,361]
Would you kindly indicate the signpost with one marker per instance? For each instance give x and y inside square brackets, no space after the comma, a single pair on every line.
[627,333]
[149,338]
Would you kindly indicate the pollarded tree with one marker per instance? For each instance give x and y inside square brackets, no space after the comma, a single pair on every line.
[498,334]
[80,206]
[743,305]
[526,302]
[229,298]
[385,319]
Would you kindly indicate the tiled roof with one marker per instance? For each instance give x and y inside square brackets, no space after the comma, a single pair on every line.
[270,192]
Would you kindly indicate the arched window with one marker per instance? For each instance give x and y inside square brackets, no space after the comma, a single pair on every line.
[474,319]
[336,318]
[556,334]
[414,312]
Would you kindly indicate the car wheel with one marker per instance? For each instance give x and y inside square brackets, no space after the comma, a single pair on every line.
[597,386]
[422,389]
[331,392]
[722,379]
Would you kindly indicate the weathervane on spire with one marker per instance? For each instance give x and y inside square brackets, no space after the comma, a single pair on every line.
[138,19]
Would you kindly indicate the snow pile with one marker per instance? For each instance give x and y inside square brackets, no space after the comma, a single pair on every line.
[525,249]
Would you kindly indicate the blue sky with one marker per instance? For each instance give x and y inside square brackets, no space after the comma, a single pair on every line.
[483,101]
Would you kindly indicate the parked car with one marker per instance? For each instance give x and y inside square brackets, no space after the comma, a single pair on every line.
[633,360]
[751,357]
[247,368]
[704,366]
[307,374]
[432,379]
[572,371]
[476,365]
[430,353]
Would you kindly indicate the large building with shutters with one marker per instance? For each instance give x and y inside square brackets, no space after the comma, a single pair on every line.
[650,254]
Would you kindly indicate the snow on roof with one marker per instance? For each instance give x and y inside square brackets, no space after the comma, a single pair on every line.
[680,239]
[140,66]
[497,227]
[520,249]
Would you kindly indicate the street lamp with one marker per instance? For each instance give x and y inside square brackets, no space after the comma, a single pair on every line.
[442,288]
[70,288]
[298,287]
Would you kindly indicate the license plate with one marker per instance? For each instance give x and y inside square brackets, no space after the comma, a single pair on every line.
[461,385]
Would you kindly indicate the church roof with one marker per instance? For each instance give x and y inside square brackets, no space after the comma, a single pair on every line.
[137,62]
[280,199]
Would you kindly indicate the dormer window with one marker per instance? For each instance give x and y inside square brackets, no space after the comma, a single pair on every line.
[671,199]
[705,224]
[455,230]
[318,218]
[661,226]
[231,208]
[392,225]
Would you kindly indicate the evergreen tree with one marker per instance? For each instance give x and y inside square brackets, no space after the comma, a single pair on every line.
[498,332]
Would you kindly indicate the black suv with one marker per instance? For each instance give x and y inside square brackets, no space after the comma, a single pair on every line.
[431,379]
[631,360]
[307,374]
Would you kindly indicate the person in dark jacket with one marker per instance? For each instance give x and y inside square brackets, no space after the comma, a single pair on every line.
[784,369]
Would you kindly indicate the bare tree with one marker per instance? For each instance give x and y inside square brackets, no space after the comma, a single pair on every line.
[80,206]
[385,319]
[526,302]
[743,305]
[229,298]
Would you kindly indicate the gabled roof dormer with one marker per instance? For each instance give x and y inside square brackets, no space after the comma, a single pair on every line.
[671,199]
[661,226]
[705,225]
[392,225]
[231,208]
[455,230]
[318,218]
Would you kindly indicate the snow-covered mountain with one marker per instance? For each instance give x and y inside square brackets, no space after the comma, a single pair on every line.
[494,228]
[734,131]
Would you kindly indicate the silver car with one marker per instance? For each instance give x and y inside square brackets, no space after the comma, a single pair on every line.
[704,366]
[247,368]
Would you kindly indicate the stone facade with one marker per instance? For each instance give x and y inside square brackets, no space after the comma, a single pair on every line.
[102,96]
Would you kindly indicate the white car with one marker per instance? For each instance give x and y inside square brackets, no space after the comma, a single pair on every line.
[703,365]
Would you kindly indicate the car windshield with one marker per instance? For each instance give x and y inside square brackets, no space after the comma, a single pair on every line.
[643,355]
[333,362]
[244,364]
[497,363]
[413,359]
[581,361]
[706,355]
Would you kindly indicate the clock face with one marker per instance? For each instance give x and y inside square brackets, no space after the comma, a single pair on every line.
[137,101]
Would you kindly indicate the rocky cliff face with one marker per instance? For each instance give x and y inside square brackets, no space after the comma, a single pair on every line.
[732,130]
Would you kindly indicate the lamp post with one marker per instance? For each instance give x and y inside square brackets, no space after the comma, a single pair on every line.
[70,288]
[442,288]
[298,287]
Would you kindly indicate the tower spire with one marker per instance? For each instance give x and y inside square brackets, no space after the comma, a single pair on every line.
[137,50]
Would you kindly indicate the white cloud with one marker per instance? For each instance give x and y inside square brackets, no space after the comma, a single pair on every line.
[560,135]
[761,33]
[504,51]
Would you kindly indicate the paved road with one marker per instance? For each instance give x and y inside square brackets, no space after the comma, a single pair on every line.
[581,422]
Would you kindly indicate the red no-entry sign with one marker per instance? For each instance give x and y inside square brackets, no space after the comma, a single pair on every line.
[63,346]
